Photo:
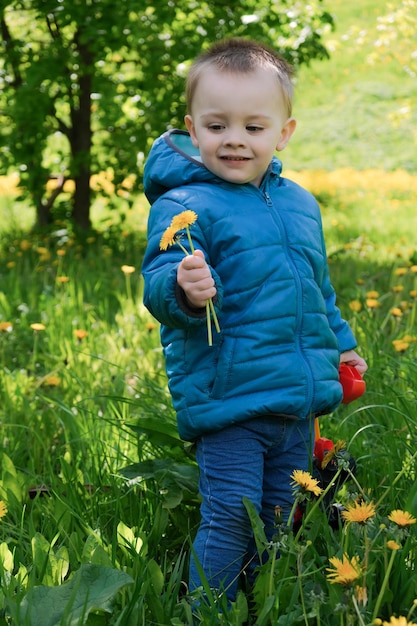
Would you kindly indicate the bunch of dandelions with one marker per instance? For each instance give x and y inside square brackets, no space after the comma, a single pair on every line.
[172,236]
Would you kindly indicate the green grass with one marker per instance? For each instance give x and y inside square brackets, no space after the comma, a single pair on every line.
[349,110]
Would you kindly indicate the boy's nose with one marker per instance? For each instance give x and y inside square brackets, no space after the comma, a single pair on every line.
[234,138]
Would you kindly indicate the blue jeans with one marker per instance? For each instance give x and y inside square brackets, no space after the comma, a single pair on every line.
[253,459]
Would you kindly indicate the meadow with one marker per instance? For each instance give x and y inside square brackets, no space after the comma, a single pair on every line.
[98,495]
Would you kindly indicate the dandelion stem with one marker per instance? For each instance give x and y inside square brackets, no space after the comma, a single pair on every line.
[209,333]
[383,586]
[355,604]
[190,241]
[213,312]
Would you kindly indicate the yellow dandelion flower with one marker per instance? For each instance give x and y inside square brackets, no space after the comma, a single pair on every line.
[42,251]
[400,271]
[400,345]
[396,312]
[372,294]
[361,595]
[25,245]
[393,545]
[359,512]
[345,571]
[10,265]
[372,303]
[306,482]
[37,326]
[398,621]
[62,279]
[355,305]
[6,327]
[397,288]
[51,381]
[402,518]
[168,238]
[3,509]
[413,269]
[80,334]
[339,445]
[61,252]
[413,293]
[184,220]
[128,269]
[150,326]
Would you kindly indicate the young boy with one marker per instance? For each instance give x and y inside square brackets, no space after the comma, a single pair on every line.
[249,400]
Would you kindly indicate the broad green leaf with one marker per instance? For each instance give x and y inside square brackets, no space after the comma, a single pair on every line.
[92,587]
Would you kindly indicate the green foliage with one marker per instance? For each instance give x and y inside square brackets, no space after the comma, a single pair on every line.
[86,87]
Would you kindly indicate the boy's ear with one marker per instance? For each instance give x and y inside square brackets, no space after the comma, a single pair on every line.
[286,133]
[190,127]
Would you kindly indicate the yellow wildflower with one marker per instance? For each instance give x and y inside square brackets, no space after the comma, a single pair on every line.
[344,571]
[6,327]
[398,621]
[402,518]
[80,334]
[306,482]
[372,294]
[150,326]
[3,509]
[413,293]
[396,311]
[51,381]
[183,220]
[393,545]
[413,268]
[359,512]
[37,326]
[61,252]
[397,288]
[400,271]
[127,269]
[372,303]
[355,305]
[62,279]
[168,238]
[400,345]
[361,595]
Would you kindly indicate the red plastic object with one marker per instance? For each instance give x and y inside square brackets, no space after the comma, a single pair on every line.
[321,447]
[352,382]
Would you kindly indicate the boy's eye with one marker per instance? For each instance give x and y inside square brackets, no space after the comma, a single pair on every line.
[215,127]
[253,129]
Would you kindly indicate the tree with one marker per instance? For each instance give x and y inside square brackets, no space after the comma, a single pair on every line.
[86,85]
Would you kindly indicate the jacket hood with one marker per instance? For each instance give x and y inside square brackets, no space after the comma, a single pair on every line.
[173,161]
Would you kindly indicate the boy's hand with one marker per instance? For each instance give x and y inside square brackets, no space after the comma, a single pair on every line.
[350,357]
[195,278]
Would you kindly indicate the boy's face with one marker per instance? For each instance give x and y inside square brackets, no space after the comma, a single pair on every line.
[238,121]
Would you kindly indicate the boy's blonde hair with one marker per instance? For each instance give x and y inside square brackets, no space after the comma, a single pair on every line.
[241,56]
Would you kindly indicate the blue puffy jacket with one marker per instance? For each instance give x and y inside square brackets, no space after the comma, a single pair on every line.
[281,331]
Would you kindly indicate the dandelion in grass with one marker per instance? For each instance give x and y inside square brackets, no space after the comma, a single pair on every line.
[150,326]
[37,326]
[51,381]
[396,311]
[359,512]
[361,595]
[372,303]
[3,509]
[397,621]
[6,327]
[400,345]
[305,482]
[80,334]
[345,571]
[393,545]
[172,236]
[402,518]
[62,280]
[355,305]
[127,271]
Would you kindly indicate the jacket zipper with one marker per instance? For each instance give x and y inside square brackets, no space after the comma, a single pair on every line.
[281,227]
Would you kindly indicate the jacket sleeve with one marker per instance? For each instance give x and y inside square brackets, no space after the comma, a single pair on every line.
[163,297]
[340,327]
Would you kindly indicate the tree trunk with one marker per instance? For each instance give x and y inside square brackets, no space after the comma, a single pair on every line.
[81,141]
